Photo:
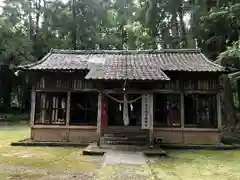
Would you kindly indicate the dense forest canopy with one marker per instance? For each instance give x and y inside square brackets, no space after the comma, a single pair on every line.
[30,28]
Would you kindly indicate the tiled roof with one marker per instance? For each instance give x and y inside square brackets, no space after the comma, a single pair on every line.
[131,73]
[111,64]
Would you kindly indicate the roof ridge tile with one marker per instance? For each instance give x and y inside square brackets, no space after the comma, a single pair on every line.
[149,51]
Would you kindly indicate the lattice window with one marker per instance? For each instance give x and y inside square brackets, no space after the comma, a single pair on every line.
[51,108]
[167,110]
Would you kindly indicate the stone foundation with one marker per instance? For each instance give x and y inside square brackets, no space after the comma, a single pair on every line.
[60,134]
[189,136]
[88,134]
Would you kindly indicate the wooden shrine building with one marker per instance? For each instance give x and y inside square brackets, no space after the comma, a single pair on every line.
[78,96]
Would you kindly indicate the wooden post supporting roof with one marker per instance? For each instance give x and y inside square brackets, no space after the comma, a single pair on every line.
[68,108]
[43,101]
[150,104]
[33,105]
[68,113]
[182,114]
[219,111]
[99,115]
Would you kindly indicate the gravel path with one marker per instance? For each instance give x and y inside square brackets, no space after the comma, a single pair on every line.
[124,165]
[49,175]
[124,172]
[124,157]
[116,165]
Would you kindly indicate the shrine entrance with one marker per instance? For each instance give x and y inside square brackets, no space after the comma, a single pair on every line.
[126,117]
[115,110]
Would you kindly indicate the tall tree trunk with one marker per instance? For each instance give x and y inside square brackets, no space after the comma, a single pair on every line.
[175,30]
[74,27]
[151,21]
[30,20]
[45,16]
[229,113]
[183,33]
[36,37]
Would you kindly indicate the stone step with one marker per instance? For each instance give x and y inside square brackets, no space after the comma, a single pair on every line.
[126,131]
[139,143]
[124,138]
[125,135]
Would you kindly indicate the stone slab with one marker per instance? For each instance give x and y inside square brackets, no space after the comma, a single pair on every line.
[123,157]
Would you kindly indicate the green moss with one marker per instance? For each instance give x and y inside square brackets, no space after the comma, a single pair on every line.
[20,176]
[231,140]
[57,158]
[204,164]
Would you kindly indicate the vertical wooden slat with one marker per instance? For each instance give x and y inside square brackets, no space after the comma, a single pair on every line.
[56,110]
[219,111]
[197,101]
[53,109]
[33,106]
[43,108]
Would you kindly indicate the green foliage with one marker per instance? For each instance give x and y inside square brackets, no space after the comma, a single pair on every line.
[15,48]
[30,28]
[219,28]
[231,56]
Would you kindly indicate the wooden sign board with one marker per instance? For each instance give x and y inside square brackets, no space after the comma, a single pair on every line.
[147,111]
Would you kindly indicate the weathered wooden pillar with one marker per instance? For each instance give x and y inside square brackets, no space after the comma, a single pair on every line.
[43,101]
[68,108]
[33,106]
[182,114]
[219,111]
[68,113]
[99,115]
[147,115]
[182,109]
[151,138]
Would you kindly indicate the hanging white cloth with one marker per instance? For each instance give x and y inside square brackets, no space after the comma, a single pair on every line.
[63,103]
[131,106]
[125,103]
[125,110]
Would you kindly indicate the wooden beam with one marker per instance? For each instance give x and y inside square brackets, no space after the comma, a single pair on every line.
[219,111]
[163,91]
[33,106]
[64,90]
[200,91]
[80,127]
[133,91]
